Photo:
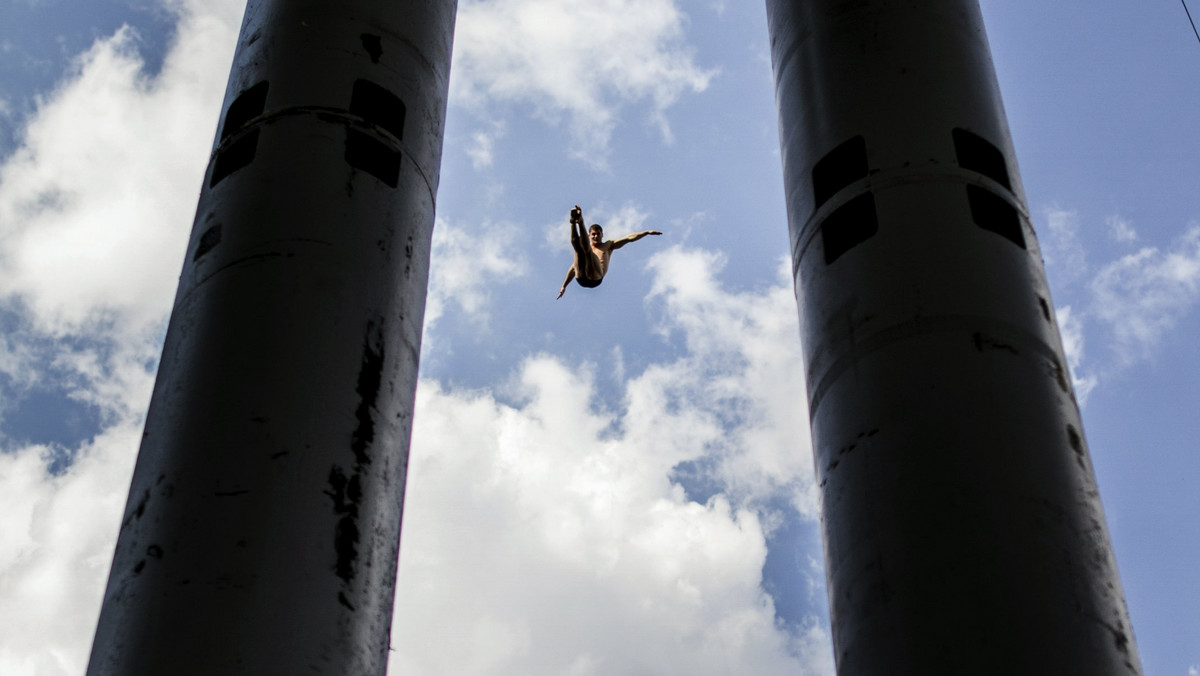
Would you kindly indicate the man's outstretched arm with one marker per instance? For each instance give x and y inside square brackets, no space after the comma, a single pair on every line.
[570,276]
[622,241]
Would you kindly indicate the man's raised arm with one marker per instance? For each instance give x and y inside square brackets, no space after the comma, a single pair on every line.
[622,241]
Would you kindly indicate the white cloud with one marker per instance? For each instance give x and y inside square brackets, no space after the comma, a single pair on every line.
[1127,305]
[465,262]
[481,147]
[558,548]
[583,60]
[96,203]
[548,537]
[58,534]
[624,220]
[1071,329]
[15,362]
[763,399]
[95,206]
[1121,230]
[1063,252]
[1141,296]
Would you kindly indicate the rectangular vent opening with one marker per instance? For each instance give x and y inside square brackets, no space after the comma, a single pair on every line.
[370,155]
[839,168]
[378,106]
[208,241]
[237,155]
[247,106]
[992,212]
[975,153]
[851,224]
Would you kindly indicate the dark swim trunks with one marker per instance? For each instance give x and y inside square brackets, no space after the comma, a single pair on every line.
[588,283]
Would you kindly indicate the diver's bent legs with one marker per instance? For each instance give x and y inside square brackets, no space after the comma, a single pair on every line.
[586,264]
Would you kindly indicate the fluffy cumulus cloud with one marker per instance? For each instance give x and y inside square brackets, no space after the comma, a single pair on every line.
[1121,230]
[95,205]
[747,366]
[96,201]
[1070,327]
[481,147]
[463,269]
[1128,303]
[578,60]
[1142,295]
[1065,257]
[550,535]
[58,534]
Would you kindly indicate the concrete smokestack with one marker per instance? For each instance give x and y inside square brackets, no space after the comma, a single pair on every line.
[963,529]
[261,531]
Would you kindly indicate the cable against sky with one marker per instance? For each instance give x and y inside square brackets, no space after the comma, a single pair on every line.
[1189,16]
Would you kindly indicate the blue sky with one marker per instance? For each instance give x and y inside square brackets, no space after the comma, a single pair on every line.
[619,481]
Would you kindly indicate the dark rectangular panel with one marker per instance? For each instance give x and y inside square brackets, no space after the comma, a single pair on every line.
[975,153]
[378,106]
[237,155]
[372,156]
[839,168]
[850,225]
[247,106]
[994,213]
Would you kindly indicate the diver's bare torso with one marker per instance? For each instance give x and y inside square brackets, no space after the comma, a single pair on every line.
[603,254]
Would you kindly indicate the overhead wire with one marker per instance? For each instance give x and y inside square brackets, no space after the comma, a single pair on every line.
[1189,16]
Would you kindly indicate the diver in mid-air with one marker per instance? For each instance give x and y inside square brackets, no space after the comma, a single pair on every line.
[592,252]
